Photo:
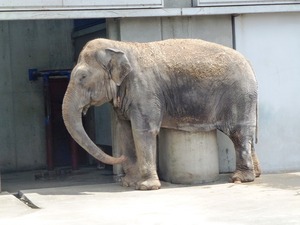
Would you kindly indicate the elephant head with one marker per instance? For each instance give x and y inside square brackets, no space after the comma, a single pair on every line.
[94,81]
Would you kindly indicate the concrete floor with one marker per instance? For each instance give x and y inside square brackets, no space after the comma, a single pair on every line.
[89,197]
[61,177]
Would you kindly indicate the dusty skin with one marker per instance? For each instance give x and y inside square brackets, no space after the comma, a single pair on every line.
[190,85]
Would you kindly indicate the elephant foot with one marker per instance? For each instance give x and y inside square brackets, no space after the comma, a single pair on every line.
[150,184]
[241,176]
[129,181]
[257,170]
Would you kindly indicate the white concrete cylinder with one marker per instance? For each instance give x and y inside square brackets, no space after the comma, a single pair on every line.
[188,157]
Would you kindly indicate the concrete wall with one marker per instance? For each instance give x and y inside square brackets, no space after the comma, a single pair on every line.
[211,28]
[24,45]
[272,43]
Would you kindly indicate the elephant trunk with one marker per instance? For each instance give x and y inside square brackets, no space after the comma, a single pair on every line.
[72,116]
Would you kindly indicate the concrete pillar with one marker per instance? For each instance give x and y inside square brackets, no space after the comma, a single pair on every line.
[188,158]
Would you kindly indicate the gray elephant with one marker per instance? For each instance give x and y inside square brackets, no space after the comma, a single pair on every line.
[189,85]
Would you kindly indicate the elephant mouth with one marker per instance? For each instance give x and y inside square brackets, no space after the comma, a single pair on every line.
[85,109]
[92,103]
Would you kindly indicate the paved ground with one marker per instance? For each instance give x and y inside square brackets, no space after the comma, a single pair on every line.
[272,199]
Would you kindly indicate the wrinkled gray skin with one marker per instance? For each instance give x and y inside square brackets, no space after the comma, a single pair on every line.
[189,85]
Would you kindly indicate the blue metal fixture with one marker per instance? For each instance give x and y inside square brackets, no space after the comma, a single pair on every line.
[34,74]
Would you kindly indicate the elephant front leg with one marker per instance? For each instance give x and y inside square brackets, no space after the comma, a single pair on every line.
[145,143]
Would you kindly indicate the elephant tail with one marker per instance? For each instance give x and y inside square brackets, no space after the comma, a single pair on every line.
[256,126]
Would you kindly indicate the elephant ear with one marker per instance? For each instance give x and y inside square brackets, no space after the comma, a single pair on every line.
[116,63]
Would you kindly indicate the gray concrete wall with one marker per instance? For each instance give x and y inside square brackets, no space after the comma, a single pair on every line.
[211,28]
[177,3]
[24,45]
[47,44]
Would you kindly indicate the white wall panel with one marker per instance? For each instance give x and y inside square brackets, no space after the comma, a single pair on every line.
[272,43]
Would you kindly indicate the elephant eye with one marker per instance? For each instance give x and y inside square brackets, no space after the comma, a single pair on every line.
[83,76]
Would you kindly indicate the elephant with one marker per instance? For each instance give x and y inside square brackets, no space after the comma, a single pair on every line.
[184,84]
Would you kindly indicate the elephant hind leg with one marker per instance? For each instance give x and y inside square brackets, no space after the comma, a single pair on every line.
[245,170]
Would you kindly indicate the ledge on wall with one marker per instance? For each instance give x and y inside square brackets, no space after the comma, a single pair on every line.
[242,2]
[156,12]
